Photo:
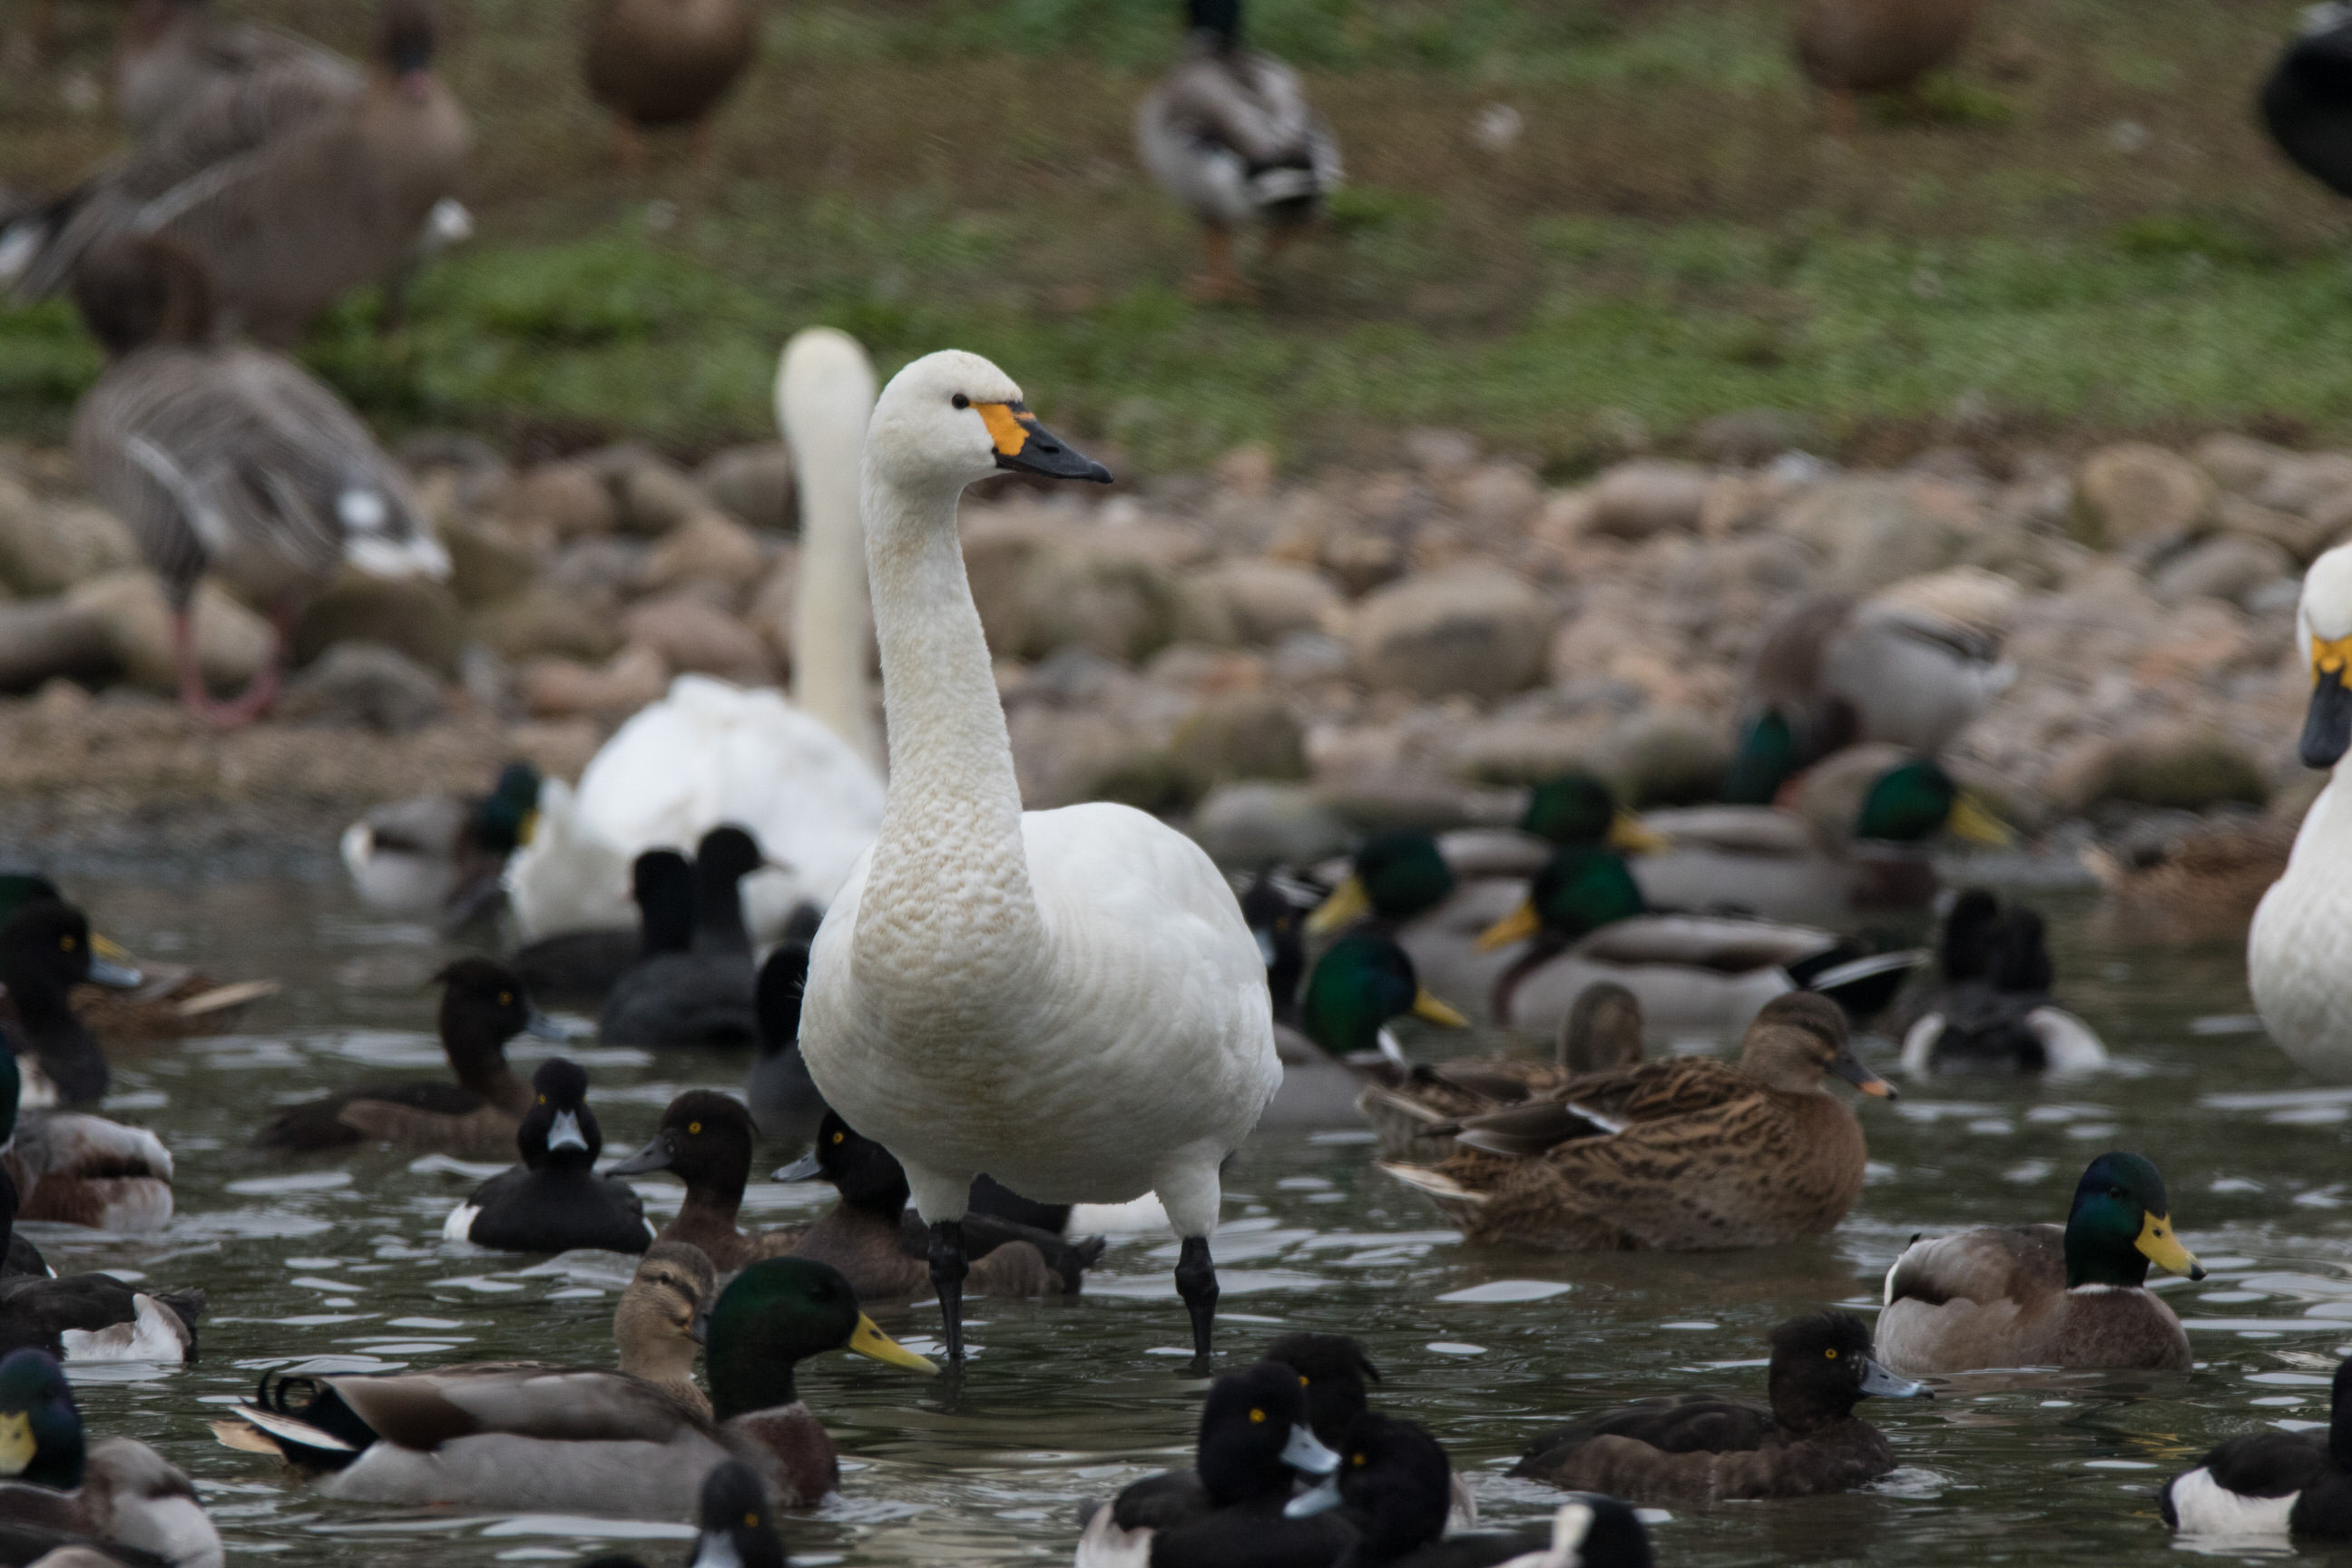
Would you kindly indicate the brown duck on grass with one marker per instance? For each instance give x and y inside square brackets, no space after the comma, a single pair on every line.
[1690,1155]
[656,63]
[482,1007]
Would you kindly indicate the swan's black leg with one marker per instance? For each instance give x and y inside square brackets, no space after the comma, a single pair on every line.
[949,1266]
[1196,1281]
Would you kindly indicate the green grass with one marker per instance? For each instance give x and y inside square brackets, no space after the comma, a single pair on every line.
[2076,233]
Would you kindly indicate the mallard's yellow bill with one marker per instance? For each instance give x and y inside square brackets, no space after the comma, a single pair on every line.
[1431,1010]
[1629,836]
[1347,904]
[869,1341]
[17,1445]
[530,826]
[1972,822]
[107,947]
[1517,926]
[2161,1246]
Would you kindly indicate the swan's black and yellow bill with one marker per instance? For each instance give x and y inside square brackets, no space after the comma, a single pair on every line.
[1028,447]
[869,1341]
[2327,728]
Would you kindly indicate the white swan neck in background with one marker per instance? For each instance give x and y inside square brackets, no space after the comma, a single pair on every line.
[825,399]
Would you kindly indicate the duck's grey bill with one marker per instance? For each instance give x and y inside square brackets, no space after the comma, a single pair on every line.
[540,1027]
[1307,1504]
[566,1133]
[654,1156]
[114,976]
[1877,1379]
[804,1169]
[1306,1454]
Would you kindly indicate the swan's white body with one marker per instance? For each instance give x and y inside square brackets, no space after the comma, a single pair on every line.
[800,777]
[1068,1000]
[2299,951]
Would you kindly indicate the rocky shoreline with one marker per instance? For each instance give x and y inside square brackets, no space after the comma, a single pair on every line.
[1279,660]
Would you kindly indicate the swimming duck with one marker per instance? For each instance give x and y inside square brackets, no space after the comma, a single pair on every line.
[1342,1043]
[89,1317]
[1832,671]
[1337,1374]
[1276,908]
[117,1490]
[130,998]
[2272,1482]
[1228,132]
[45,952]
[586,1441]
[705,1139]
[1851,47]
[884,1253]
[1254,1443]
[1849,836]
[663,1317]
[177,54]
[1993,1010]
[798,775]
[554,1201]
[666,62]
[2039,1295]
[230,461]
[2199,886]
[1689,1448]
[482,1007]
[737,1529]
[704,995]
[2304,97]
[988,972]
[782,1099]
[79,1169]
[1418,1118]
[586,964]
[1583,919]
[1690,1155]
[2295,962]
[438,855]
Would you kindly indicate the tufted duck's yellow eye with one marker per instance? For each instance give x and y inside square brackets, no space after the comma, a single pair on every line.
[839,1137]
[750,1521]
[506,998]
[1831,1353]
[66,944]
[1358,1460]
[694,1128]
[1258,1416]
[543,1100]
[1302,1380]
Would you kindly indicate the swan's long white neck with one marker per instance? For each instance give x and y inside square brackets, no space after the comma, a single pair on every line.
[947,898]
[824,409]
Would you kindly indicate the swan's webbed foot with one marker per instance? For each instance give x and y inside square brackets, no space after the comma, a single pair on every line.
[1196,1281]
[949,1265]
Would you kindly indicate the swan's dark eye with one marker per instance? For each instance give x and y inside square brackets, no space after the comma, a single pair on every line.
[960,400]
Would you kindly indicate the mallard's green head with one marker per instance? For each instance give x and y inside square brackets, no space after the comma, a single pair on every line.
[1766,756]
[1362,982]
[779,1312]
[1576,808]
[1398,874]
[510,811]
[2121,1223]
[1581,888]
[1912,800]
[40,1425]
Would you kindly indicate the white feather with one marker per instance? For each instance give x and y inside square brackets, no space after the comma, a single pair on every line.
[1103,1544]
[2070,1045]
[2205,1507]
[1919,1044]
[459,1226]
[155,1333]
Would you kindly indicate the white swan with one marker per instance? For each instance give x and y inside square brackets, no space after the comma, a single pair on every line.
[2299,953]
[1068,1000]
[801,778]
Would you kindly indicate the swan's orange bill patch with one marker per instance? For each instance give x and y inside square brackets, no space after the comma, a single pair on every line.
[1007,428]
[2330,657]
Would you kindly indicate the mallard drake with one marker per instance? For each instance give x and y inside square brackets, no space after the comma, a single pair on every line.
[801,775]
[116,1490]
[666,62]
[2272,1482]
[1832,671]
[1689,1448]
[1849,836]
[554,1201]
[45,951]
[705,994]
[89,1317]
[737,1529]
[1850,47]
[663,1317]
[1686,1155]
[230,461]
[782,1099]
[177,54]
[77,1169]
[1993,1010]
[1359,985]
[1228,132]
[1583,919]
[2304,99]
[483,1006]
[2040,1295]
[884,1253]
[705,1139]
[138,999]
[986,971]
[1255,1443]
[441,856]
[585,1441]
[2295,958]
[1418,1118]
[290,198]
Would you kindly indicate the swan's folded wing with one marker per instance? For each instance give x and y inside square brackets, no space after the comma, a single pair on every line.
[1727,945]
[2016,1263]
[425,1410]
